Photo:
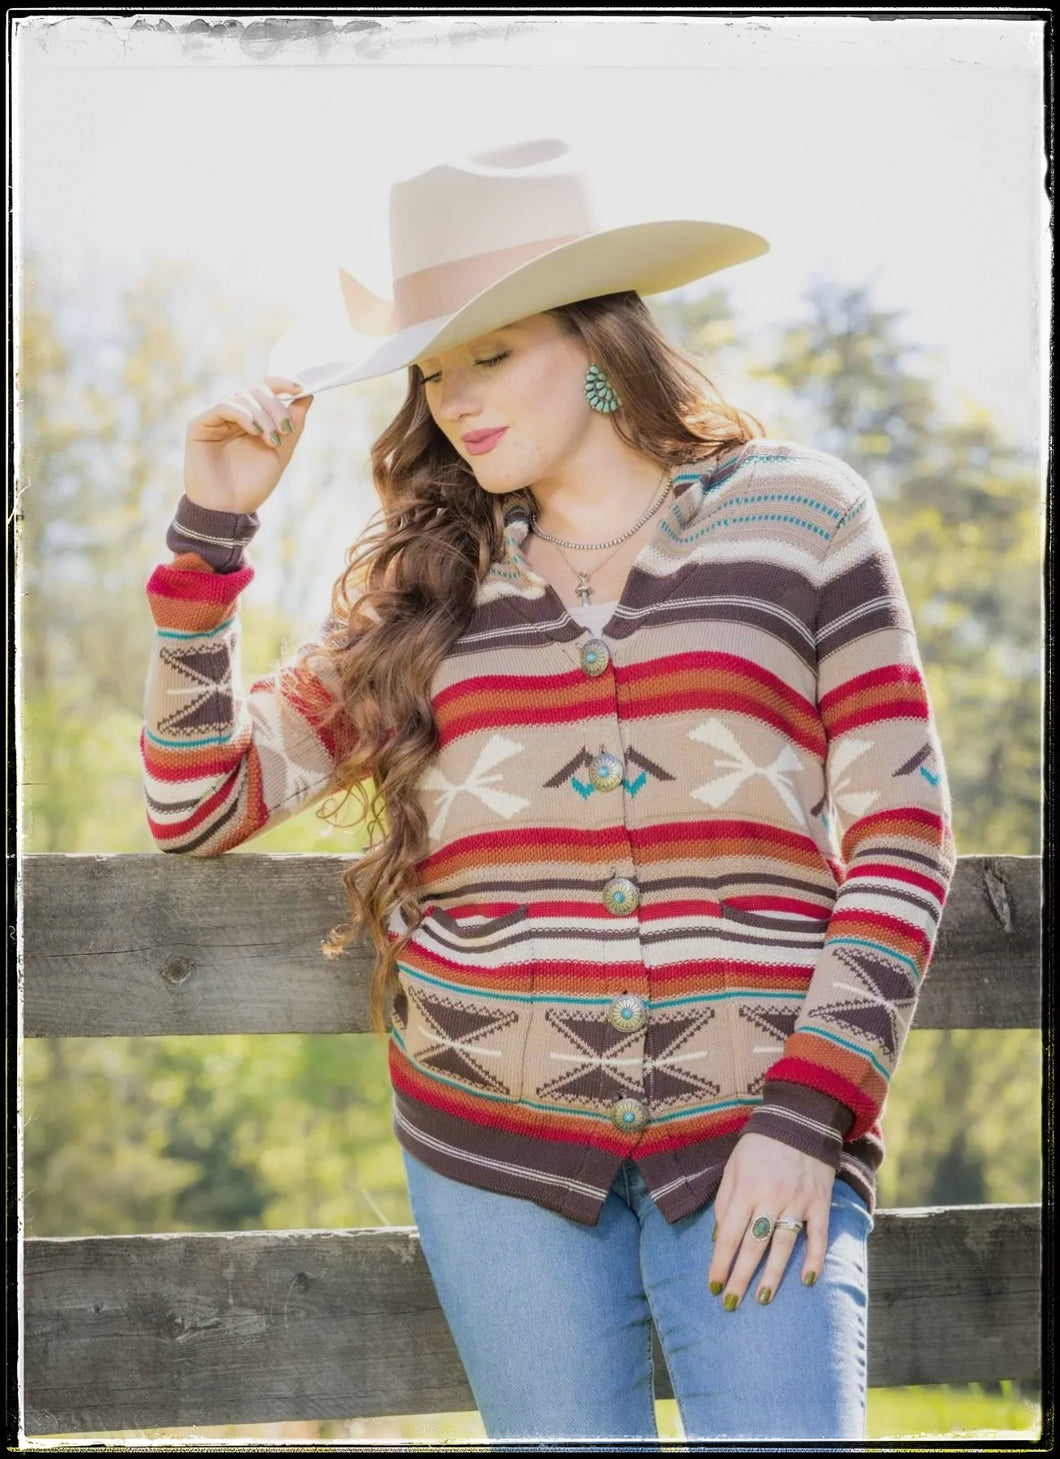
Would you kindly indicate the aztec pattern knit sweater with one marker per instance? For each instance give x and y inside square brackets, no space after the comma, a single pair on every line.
[683,878]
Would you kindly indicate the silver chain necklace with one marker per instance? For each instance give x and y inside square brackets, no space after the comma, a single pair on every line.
[664,487]
[583,589]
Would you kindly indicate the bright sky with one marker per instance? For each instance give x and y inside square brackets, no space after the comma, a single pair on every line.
[908,152]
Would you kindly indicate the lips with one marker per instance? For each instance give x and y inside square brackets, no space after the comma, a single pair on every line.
[477,443]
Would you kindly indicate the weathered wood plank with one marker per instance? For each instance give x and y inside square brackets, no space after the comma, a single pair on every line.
[149,1331]
[158,944]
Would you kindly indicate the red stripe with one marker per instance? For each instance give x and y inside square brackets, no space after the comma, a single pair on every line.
[767,903]
[681,907]
[725,664]
[198,587]
[899,873]
[873,679]
[874,713]
[828,1081]
[893,816]
[188,769]
[809,734]
[715,830]
[908,931]
[202,813]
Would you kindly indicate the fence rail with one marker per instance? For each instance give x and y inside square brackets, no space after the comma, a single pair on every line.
[231,944]
[133,1332]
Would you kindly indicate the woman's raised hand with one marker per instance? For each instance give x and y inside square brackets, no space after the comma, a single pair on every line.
[236,450]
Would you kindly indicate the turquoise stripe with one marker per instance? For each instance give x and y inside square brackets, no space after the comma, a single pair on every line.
[749,992]
[702,1109]
[833,1038]
[759,517]
[786,496]
[602,1002]
[188,744]
[501,997]
[203,633]
[877,947]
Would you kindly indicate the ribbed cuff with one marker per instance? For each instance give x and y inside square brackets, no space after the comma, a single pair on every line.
[802,1117]
[217,537]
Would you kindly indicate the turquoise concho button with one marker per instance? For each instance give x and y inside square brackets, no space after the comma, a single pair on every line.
[628,1013]
[629,1114]
[595,656]
[606,771]
[621,896]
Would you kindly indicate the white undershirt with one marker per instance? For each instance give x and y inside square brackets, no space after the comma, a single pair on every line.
[594,615]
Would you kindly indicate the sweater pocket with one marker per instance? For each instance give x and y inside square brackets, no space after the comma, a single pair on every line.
[467,1003]
[769,962]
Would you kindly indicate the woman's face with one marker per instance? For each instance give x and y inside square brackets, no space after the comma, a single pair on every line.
[526,382]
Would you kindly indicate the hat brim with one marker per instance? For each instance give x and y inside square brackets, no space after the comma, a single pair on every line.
[648,258]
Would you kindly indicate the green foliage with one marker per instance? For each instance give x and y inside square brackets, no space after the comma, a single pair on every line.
[963,1119]
[209,1134]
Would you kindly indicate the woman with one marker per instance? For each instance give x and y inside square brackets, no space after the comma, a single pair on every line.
[661,831]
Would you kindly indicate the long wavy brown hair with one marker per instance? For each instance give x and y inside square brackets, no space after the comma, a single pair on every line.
[408,592]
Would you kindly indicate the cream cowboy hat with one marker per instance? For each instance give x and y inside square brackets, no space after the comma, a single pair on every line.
[480,243]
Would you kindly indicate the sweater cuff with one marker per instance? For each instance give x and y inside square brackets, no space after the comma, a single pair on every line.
[217,537]
[802,1117]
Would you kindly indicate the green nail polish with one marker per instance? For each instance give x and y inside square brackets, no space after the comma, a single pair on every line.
[259,428]
[286,426]
[714,1233]
[715,1288]
[275,438]
[809,1279]
[730,1303]
[764,1295]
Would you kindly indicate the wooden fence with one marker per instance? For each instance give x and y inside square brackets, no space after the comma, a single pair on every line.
[135,1332]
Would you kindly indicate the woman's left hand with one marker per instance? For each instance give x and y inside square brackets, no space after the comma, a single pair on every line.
[766,1177]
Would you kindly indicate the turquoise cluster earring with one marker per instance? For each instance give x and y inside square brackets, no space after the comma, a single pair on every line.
[599,391]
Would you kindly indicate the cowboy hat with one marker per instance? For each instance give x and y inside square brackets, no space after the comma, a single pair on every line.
[480,243]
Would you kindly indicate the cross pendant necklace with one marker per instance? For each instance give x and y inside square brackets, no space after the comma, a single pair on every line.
[584,589]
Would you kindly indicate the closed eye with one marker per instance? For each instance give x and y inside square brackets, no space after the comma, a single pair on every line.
[494,360]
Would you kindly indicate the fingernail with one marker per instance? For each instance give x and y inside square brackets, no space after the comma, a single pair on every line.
[275,438]
[259,428]
[764,1295]
[298,386]
[809,1279]
[286,426]
[715,1288]
[731,1302]
[714,1233]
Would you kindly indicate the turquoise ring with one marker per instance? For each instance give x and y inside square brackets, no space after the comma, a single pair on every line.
[761,1228]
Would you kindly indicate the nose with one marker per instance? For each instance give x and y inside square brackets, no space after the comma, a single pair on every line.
[456,397]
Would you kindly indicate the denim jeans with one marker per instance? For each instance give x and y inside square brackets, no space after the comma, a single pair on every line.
[552,1320]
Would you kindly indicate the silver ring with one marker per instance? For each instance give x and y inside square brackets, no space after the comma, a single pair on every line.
[790,1223]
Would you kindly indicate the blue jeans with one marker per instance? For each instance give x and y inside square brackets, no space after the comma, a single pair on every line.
[552,1319]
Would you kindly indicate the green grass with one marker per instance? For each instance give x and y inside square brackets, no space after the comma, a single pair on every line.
[953,1410]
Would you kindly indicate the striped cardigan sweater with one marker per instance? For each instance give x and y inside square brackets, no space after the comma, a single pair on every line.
[683,878]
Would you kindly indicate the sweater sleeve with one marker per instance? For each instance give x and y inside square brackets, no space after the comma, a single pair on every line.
[222,764]
[887,804]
